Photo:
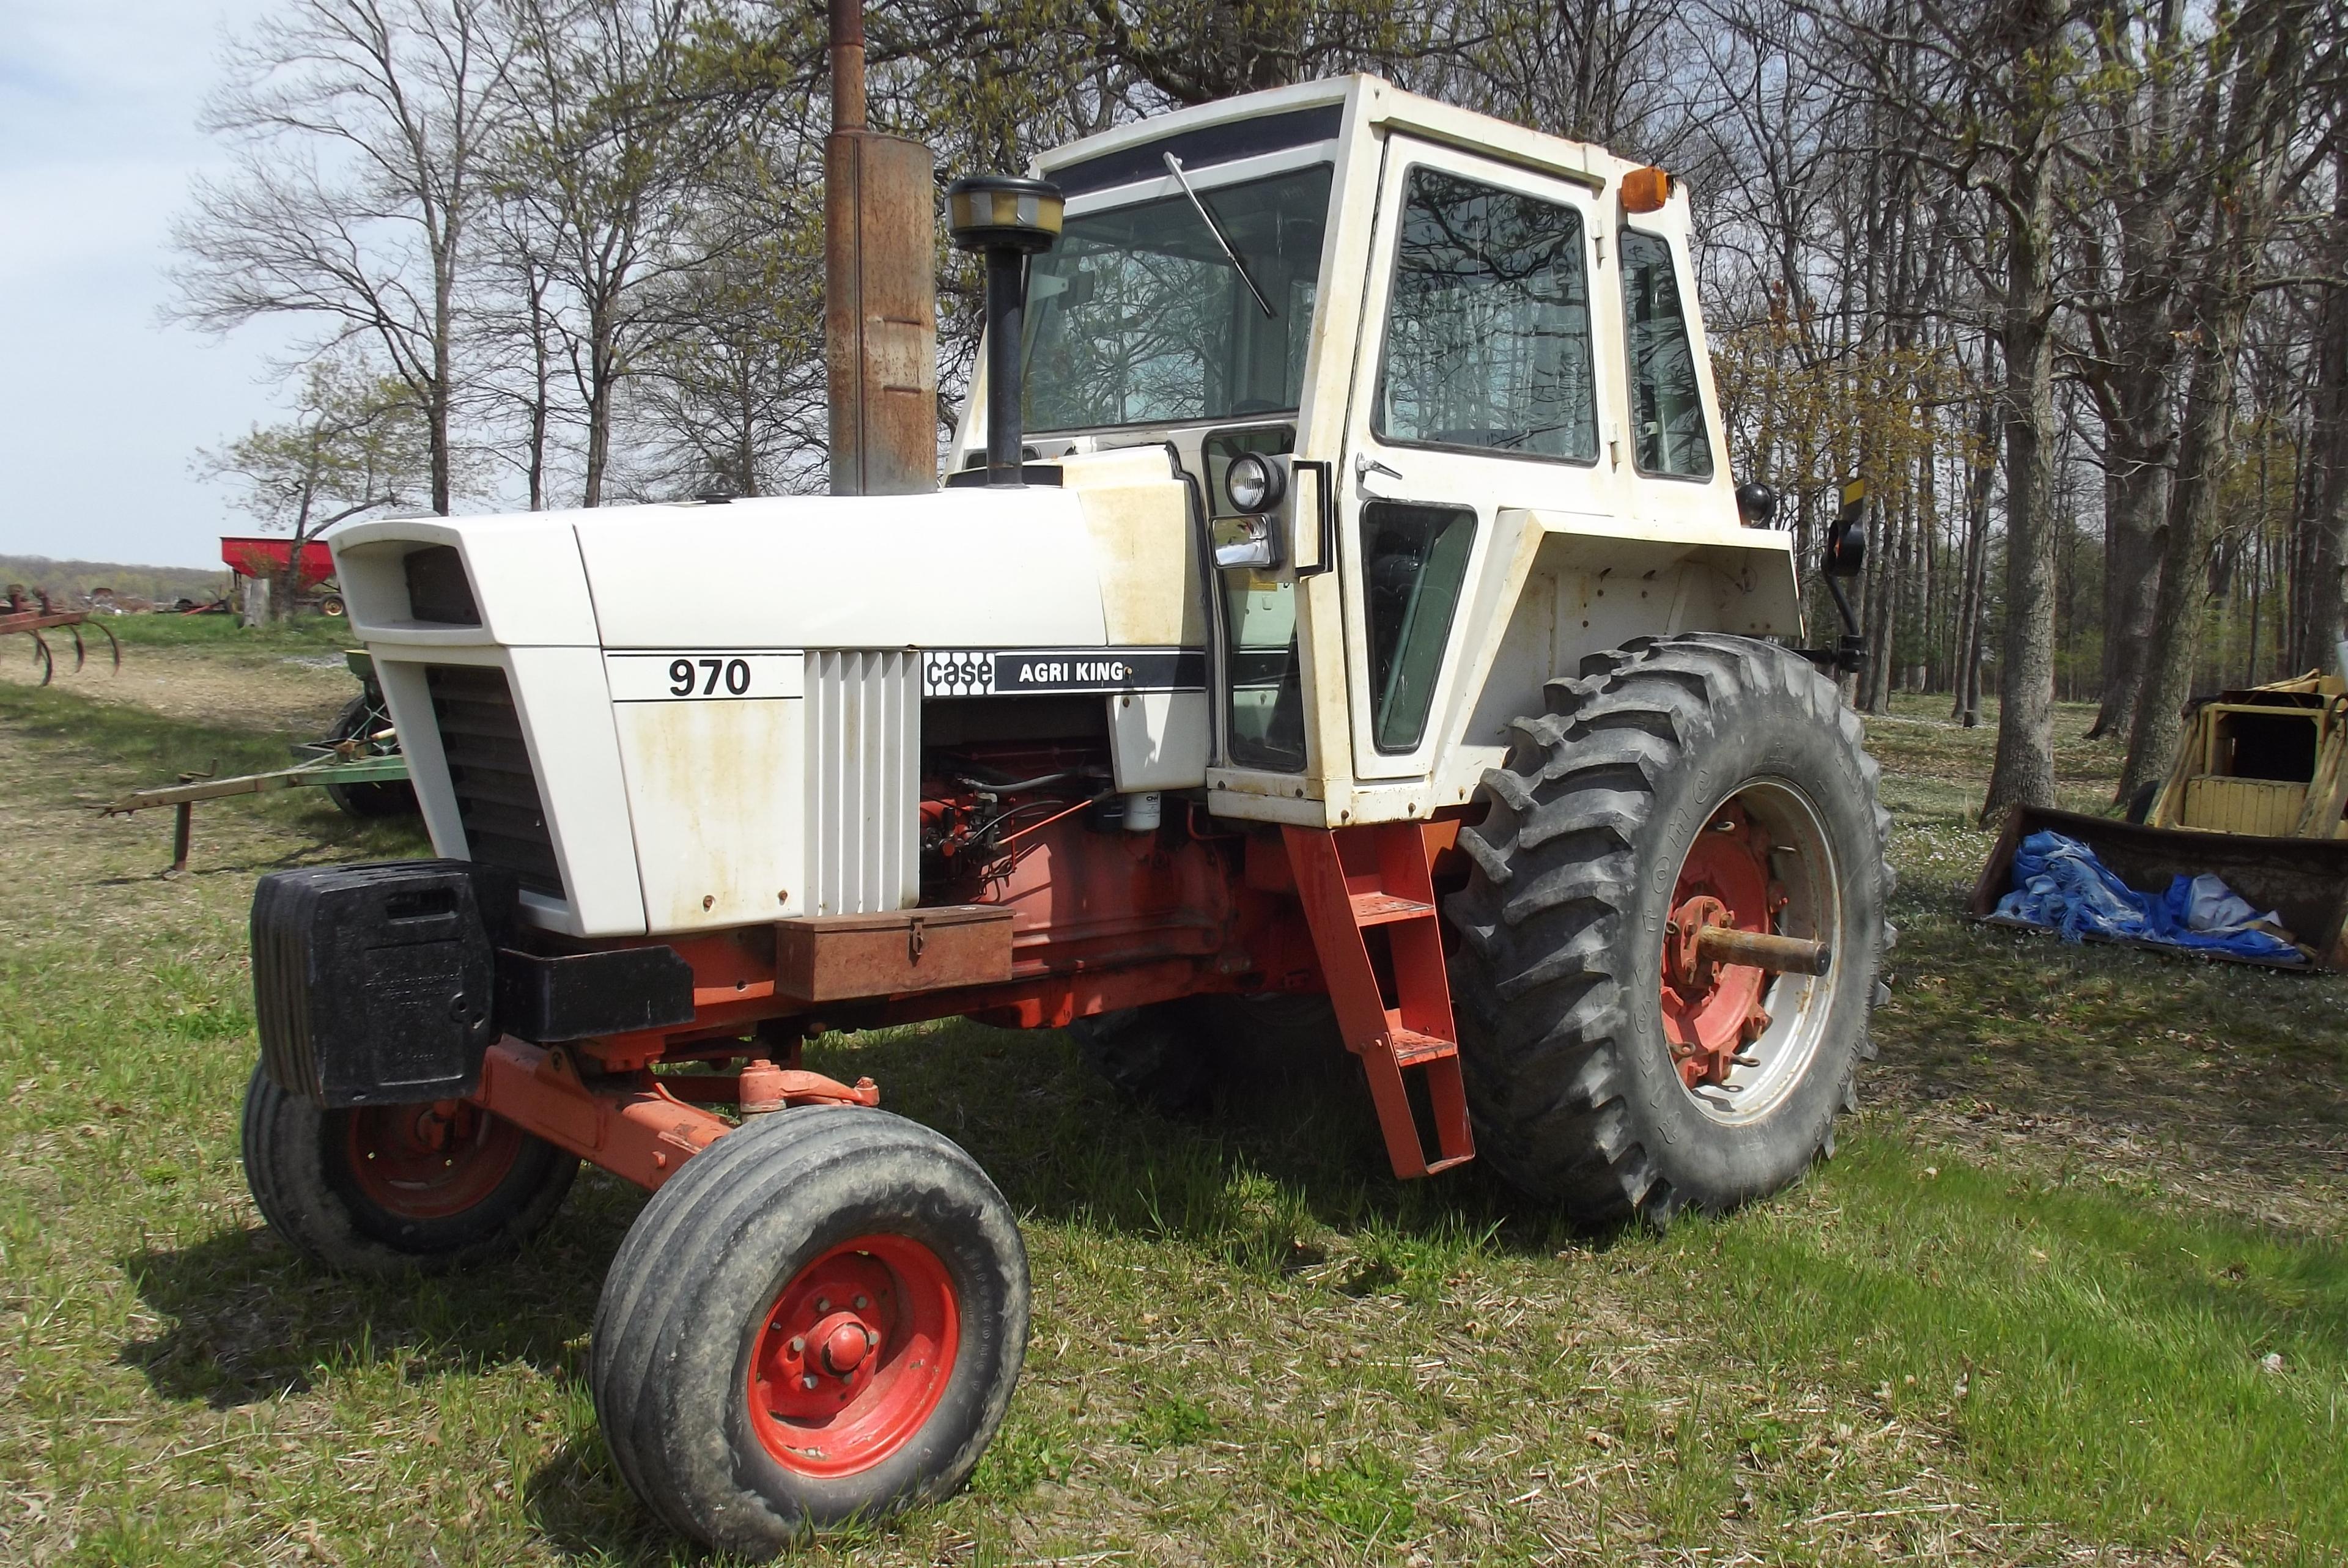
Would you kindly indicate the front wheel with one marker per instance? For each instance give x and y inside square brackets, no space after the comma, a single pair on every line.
[1614,1063]
[383,1188]
[820,1320]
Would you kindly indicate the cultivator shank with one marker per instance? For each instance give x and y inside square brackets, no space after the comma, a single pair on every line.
[38,616]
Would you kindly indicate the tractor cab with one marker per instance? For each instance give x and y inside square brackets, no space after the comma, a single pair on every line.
[1441,389]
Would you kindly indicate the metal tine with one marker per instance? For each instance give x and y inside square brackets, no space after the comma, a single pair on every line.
[80,658]
[41,650]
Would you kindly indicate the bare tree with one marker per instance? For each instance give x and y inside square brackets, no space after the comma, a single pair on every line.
[359,128]
[2320,524]
[610,135]
[2255,105]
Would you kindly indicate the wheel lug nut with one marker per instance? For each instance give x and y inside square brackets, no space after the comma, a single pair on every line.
[807,1381]
[862,1304]
[823,1303]
[798,1344]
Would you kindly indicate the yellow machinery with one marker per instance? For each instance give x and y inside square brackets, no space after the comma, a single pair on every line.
[2265,761]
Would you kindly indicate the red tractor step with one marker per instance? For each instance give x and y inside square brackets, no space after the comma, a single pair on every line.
[1392,996]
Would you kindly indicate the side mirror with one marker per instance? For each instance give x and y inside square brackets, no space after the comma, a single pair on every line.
[1845,550]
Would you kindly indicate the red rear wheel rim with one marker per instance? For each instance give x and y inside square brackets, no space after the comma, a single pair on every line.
[1711,1011]
[428,1162]
[853,1355]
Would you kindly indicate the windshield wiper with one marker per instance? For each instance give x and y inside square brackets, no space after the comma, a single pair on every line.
[1174,165]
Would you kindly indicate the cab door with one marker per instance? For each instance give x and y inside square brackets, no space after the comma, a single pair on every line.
[1477,389]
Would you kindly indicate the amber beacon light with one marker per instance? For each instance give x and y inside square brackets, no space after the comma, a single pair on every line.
[1646,190]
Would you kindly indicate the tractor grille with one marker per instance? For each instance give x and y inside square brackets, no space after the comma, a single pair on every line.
[863,782]
[489,770]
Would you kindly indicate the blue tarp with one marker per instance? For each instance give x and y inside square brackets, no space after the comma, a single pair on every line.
[2058,883]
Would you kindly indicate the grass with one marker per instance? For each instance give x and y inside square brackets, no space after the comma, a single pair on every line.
[302,633]
[2073,1285]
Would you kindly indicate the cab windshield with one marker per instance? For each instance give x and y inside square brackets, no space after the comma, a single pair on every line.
[1137,316]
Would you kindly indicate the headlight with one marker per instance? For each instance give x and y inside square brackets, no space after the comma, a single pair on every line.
[1253,483]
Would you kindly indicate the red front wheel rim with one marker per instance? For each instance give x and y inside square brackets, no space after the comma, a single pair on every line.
[852,1356]
[428,1162]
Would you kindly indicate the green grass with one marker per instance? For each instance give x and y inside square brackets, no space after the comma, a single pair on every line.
[302,633]
[2024,1315]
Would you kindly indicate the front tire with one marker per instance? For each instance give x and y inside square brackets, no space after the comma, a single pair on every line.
[385,1188]
[820,1320]
[1677,782]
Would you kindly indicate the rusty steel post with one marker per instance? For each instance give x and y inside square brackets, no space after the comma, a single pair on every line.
[880,315]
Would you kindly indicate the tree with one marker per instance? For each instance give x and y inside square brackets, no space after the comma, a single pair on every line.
[2254,107]
[2321,522]
[357,443]
[359,128]
[612,131]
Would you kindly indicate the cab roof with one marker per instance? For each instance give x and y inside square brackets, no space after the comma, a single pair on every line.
[1331,110]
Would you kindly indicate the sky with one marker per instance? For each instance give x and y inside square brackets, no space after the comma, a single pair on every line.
[102,407]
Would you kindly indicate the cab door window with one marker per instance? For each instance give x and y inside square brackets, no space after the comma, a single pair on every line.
[1668,431]
[1488,324]
[1414,563]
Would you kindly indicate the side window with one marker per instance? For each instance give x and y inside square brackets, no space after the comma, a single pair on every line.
[1488,324]
[1414,560]
[1666,401]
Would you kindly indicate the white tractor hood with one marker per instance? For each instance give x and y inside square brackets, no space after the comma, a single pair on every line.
[953,568]
[678,718]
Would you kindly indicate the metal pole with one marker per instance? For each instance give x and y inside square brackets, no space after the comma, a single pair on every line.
[847,65]
[880,347]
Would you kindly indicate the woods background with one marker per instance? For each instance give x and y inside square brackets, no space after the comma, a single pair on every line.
[2063,281]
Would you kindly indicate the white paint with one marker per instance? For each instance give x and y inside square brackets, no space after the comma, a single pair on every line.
[709,784]
[1158,740]
[958,568]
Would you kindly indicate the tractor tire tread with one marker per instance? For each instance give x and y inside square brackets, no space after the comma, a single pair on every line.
[1542,921]
[669,1328]
[285,1141]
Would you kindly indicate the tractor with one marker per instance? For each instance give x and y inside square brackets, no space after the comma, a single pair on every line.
[1336,614]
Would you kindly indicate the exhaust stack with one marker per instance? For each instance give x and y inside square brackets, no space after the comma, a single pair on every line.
[879,291]
[1007,219]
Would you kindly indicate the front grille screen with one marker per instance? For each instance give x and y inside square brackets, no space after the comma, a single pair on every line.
[488,769]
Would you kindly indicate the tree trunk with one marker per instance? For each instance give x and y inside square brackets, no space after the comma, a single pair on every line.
[2024,770]
[2183,579]
[2135,508]
[436,402]
[1974,597]
[601,360]
[2321,527]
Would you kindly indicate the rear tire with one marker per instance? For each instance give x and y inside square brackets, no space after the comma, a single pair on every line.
[387,1188]
[1576,1052]
[832,1232]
